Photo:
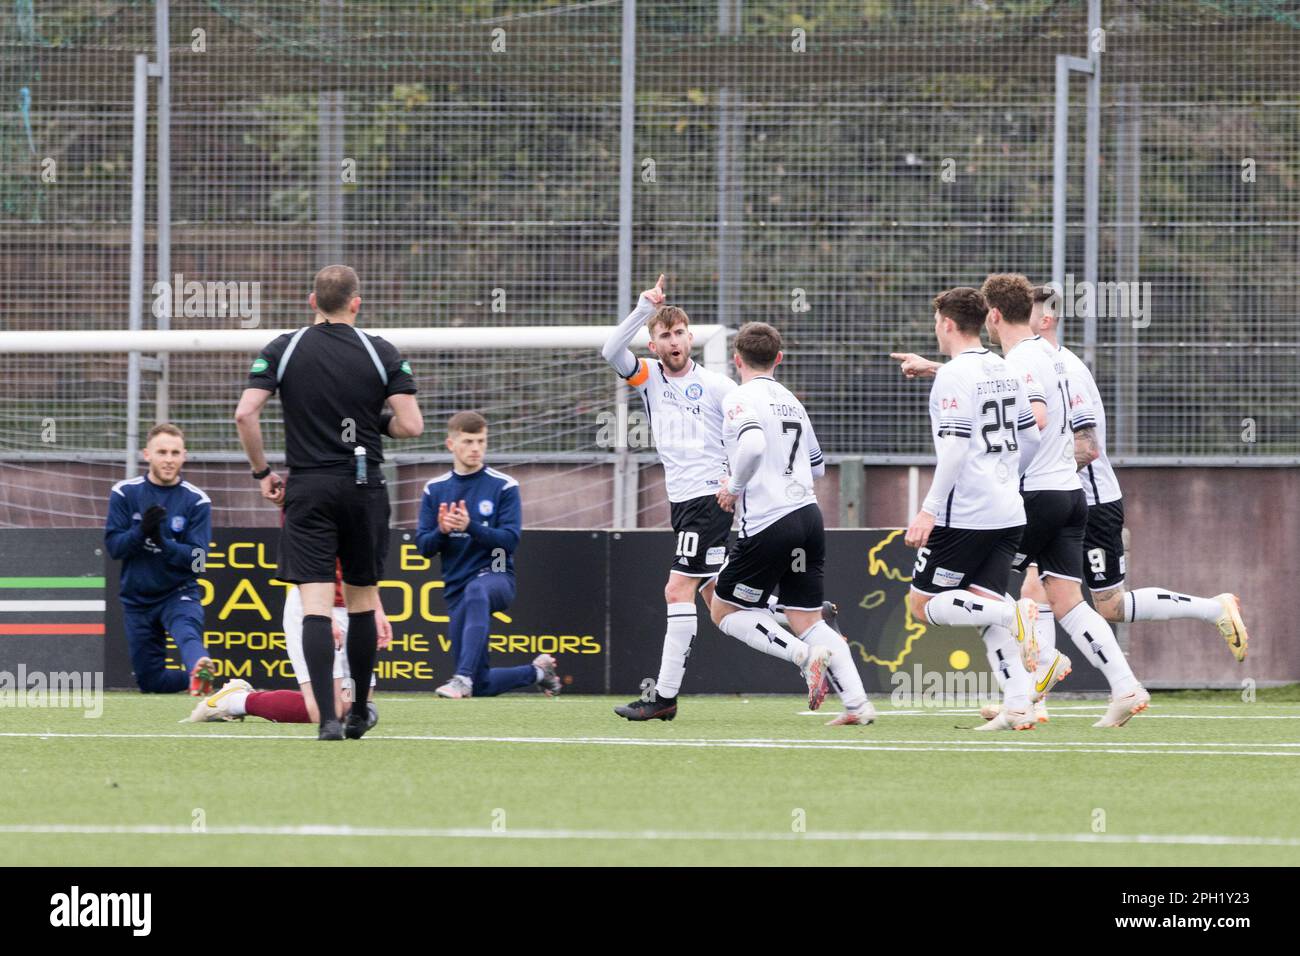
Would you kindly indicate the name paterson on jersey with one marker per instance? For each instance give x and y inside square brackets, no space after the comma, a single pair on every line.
[685,416]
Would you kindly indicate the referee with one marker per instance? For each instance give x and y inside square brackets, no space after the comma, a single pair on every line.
[333,381]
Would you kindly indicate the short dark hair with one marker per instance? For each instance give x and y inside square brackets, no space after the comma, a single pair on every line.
[469,422]
[335,287]
[165,428]
[758,344]
[965,306]
[1011,294]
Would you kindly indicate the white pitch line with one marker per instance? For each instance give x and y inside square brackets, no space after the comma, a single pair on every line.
[480,833]
[1092,714]
[938,746]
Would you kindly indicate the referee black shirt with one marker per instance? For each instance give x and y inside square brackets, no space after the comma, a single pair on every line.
[328,375]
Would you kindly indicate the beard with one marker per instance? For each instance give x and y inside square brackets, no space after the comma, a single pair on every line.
[675,365]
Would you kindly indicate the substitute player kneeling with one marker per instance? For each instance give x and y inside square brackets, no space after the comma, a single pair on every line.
[158,527]
[471,517]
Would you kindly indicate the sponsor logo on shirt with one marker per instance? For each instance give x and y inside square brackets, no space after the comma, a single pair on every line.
[259,366]
[746,593]
[715,555]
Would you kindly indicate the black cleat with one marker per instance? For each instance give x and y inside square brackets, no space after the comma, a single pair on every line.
[354,727]
[829,613]
[649,710]
[330,730]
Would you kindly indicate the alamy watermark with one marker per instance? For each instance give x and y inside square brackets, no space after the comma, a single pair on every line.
[1110,300]
[72,689]
[927,688]
[194,299]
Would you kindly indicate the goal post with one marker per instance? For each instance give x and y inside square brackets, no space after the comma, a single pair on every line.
[558,419]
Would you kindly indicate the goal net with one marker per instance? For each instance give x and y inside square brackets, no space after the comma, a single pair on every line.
[558,420]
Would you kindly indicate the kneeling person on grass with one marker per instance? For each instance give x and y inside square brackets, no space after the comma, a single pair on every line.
[158,527]
[471,517]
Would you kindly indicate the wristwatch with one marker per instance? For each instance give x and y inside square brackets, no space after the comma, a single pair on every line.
[259,475]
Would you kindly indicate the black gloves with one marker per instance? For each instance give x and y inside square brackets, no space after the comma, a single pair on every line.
[151,519]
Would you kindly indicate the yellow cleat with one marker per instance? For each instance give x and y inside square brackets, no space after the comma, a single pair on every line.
[1026,635]
[1231,626]
[1058,672]
[217,706]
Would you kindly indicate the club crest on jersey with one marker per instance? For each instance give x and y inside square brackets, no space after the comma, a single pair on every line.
[694,391]
[485,508]
[178,524]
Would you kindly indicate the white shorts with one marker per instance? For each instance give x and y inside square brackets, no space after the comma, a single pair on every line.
[293,639]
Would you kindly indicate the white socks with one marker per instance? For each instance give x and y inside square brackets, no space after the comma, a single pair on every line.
[1157,604]
[1045,630]
[844,673]
[1004,659]
[967,609]
[236,702]
[677,647]
[760,631]
[1096,641]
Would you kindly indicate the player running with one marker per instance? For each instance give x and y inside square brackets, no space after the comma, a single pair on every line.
[970,525]
[1056,508]
[774,456]
[158,526]
[1103,546]
[684,403]
[471,516]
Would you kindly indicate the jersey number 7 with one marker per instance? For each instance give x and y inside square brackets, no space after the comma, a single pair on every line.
[797,428]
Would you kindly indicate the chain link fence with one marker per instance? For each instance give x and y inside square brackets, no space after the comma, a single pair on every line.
[827,167]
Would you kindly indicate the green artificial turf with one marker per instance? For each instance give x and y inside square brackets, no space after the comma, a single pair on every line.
[527,780]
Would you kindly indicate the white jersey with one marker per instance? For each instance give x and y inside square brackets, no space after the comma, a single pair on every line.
[1099,481]
[685,415]
[784,480]
[1043,372]
[977,397]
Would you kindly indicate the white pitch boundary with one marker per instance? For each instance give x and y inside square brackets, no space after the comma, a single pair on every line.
[481,833]
[937,746]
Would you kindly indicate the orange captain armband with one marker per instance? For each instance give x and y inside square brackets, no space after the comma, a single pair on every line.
[638,378]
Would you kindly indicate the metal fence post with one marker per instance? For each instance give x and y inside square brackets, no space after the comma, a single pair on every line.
[625,485]
[162,30]
[139,141]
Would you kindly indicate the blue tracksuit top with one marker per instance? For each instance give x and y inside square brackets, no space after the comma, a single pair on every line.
[153,569]
[496,519]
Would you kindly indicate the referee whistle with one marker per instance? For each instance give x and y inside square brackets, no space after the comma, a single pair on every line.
[360,454]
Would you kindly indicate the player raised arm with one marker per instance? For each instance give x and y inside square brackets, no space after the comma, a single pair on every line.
[615,350]
[914,366]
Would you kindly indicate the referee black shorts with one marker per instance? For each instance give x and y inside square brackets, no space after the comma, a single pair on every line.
[329,515]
